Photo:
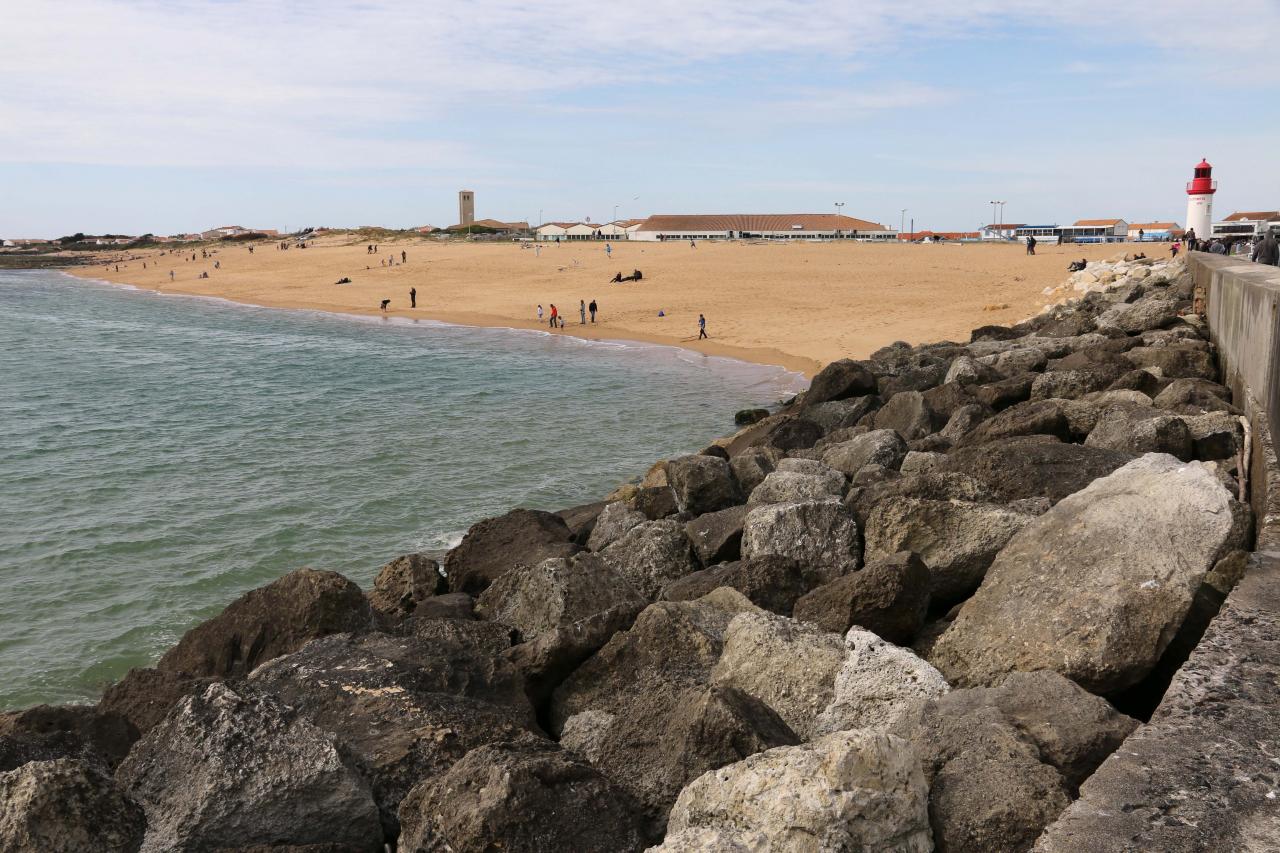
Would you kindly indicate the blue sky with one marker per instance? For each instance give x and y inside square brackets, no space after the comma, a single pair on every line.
[132,116]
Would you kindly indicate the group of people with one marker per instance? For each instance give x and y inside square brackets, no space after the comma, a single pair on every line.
[556,320]
[636,275]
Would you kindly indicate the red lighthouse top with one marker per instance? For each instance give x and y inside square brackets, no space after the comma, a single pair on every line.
[1203,183]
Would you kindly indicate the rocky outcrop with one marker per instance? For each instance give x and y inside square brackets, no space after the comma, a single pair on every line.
[46,732]
[703,484]
[770,582]
[265,623]
[794,486]
[1088,591]
[889,597]
[878,447]
[847,791]
[717,536]
[520,795]
[839,380]
[878,684]
[227,769]
[495,546]
[1034,466]
[404,583]
[612,524]
[66,806]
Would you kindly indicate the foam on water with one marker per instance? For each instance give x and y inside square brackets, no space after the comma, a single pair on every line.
[161,456]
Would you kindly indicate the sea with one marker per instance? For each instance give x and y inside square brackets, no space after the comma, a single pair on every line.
[160,455]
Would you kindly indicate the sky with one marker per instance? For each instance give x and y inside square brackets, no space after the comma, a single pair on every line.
[133,116]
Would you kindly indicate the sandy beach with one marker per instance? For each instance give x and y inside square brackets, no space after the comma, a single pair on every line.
[799,305]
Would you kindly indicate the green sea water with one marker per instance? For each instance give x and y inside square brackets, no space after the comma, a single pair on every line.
[161,455]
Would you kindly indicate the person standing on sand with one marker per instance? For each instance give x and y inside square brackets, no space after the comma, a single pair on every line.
[582,312]
[608,250]
[539,314]
[592,309]
[404,256]
[385,303]
[555,316]
[413,297]
[1031,245]
[170,275]
[692,245]
[702,327]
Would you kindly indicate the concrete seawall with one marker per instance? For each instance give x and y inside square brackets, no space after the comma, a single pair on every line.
[1204,774]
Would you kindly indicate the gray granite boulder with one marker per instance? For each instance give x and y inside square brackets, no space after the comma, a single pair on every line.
[889,596]
[1138,430]
[651,555]
[716,537]
[819,535]
[703,484]
[908,414]
[878,447]
[66,805]
[613,523]
[877,685]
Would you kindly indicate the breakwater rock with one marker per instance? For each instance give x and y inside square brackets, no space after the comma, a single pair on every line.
[913,608]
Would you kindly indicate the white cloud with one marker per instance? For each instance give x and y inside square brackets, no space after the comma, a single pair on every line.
[382,83]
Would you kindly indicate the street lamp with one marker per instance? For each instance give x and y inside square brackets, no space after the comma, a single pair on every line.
[839,208]
[902,223]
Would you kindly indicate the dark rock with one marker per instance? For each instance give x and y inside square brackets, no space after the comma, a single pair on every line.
[1192,396]
[913,379]
[1175,362]
[771,582]
[405,708]
[1006,392]
[1216,435]
[66,806]
[840,380]
[270,621]
[945,399]
[908,413]
[1071,384]
[717,536]
[581,520]
[144,696]
[962,422]
[841,414]
[889,596]
[1137,380]
[656,502]
[226,770]
[520,795]
[613,523]
[1139,430]
[746,417]
[751,467]
[703,484]
[562,611]
[715,450]
[993,333]
[495,546]
[794,433]
[927,485]
[1034,417]
[701,729]
[403,583]
[453,605]
[47,732]
[967,370]
[1018,362]
[1034,466]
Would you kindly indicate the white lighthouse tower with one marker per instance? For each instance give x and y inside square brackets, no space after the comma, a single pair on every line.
[1200,190]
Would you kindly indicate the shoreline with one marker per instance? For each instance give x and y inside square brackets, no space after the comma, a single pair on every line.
[763,356]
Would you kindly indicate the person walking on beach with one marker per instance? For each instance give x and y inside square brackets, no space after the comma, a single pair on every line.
[555,316]
[592,309]
[404,256]
[608,250]
[1173,250]
[1031,245]
[582,312]
[692,244]
[702,327]
[170,275]
[413,297]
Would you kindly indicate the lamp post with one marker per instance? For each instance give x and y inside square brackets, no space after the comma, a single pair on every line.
[902,223]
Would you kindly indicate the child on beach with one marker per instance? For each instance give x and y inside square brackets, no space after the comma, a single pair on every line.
[539,313]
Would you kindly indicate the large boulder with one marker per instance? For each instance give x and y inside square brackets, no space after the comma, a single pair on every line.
[1097,587]
[613,523]
[1006,392]
[877,685]
[929,484]
[1072,384]
[650,555]
[703,484]
[819,535]
[1194,396]
[841,414]
[878,447]
[717,536]
[495,546]
[847,791]
[703,840]
[270,621]
[1003,762]
[751,467]
[228,769]
[404,583]
[791,666]
[66,805]
[1149,313]
[1034,466]
[1175,362]
[1139,429]
[1034,417]
[956,539]
[562,611]
[770,582]
[405,708]
[520,795]
[889,596]
[840,380]
[908,414]
[96,735]
[145,695]
[967,370]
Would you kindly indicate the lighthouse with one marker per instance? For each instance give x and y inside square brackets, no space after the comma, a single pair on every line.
[1200,190]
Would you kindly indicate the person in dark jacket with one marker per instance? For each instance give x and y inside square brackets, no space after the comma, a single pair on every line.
[1267,250]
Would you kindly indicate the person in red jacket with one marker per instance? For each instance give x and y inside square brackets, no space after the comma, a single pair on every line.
[555,315]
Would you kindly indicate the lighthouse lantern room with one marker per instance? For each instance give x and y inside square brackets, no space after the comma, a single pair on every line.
[1200,190]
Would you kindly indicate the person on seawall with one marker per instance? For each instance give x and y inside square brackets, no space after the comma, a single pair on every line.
[413,297]
[592,309]
[1267,250]
[702,327]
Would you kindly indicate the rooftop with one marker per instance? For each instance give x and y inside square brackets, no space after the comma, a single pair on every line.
[758,222]
[1263,215]
[1093,223]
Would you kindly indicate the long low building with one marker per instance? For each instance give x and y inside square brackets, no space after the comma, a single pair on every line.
[619,230]
[770,226]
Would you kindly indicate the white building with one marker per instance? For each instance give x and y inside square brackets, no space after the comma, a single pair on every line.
[1153,231]
[623,229]
[775,226]
[1248,224]
[1094,231]
[1047,234]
